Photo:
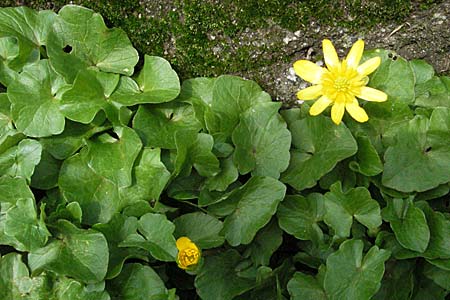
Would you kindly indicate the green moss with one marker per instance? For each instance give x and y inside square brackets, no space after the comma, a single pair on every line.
[194,35]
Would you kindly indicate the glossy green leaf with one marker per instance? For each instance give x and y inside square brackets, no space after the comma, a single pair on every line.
[408,224]
[67,288]
[93,177]
[157,125]
[262,141]
[355,203]
[157,82]
[36,101]
[46,173]
[217,279]
[84,99]
[420,145]
[386,77]
[227,175]
[202,229]
[9,49]
[12,189]
[14,277]
[367,160]
[439,225]
[299,216]
[21,160]
[439,276]
[137,282]
[231,97]
[151,178]
[195,150]
[265,243]
[116,231]
[318,146]
[83,34]
[398,282]
[157,237]
[29,27]
[23,226]
[257,201]
[78,253]
[350,275]
[433,92]
[305,287]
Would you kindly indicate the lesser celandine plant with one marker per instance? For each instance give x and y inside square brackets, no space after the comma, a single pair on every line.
[118,182]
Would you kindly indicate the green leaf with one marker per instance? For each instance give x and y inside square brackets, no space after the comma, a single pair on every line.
[157,125]
[151,177]
[420,145]
[137,282]
[299,216]
[66,288]
[35,101]
[116,231]
[318,146]
[394,76]
[305,287]
[202,229]
[349,275]
[93,177]
[157,237]
[22,224]
[228,174]
[9,49]
[91,44]
[439,224]
[157,82]
[262,141]
[14,277]
[231,97]
[356,203]
[12,189]
[217,279]
[21,160]
[195,150]
[422,70]
[433,92]
[367,160]
[29,27]
[84,99]
[439,276]
[199,93]
[45,175]
[265,243]
[408,223]
[78,253]
[398,282]
[257,202]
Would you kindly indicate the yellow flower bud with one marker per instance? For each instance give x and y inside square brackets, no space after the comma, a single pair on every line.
[188,253]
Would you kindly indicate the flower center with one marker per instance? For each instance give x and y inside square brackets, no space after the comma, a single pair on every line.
[188,257]
[341,84]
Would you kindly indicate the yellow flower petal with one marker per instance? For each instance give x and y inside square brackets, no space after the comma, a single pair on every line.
[337,112]
[310,93]
[309,71]
[357,112]
[183,243]
[369,66]
[371,94]
[355,54]
[188,253]
[330,55]
[319,106]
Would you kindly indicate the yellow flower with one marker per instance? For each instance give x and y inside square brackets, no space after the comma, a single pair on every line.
[188,253]
[339,83]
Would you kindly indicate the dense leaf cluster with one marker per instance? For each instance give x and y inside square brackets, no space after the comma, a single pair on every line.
[102,168]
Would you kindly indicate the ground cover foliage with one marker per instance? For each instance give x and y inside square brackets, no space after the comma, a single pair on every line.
[104,165]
